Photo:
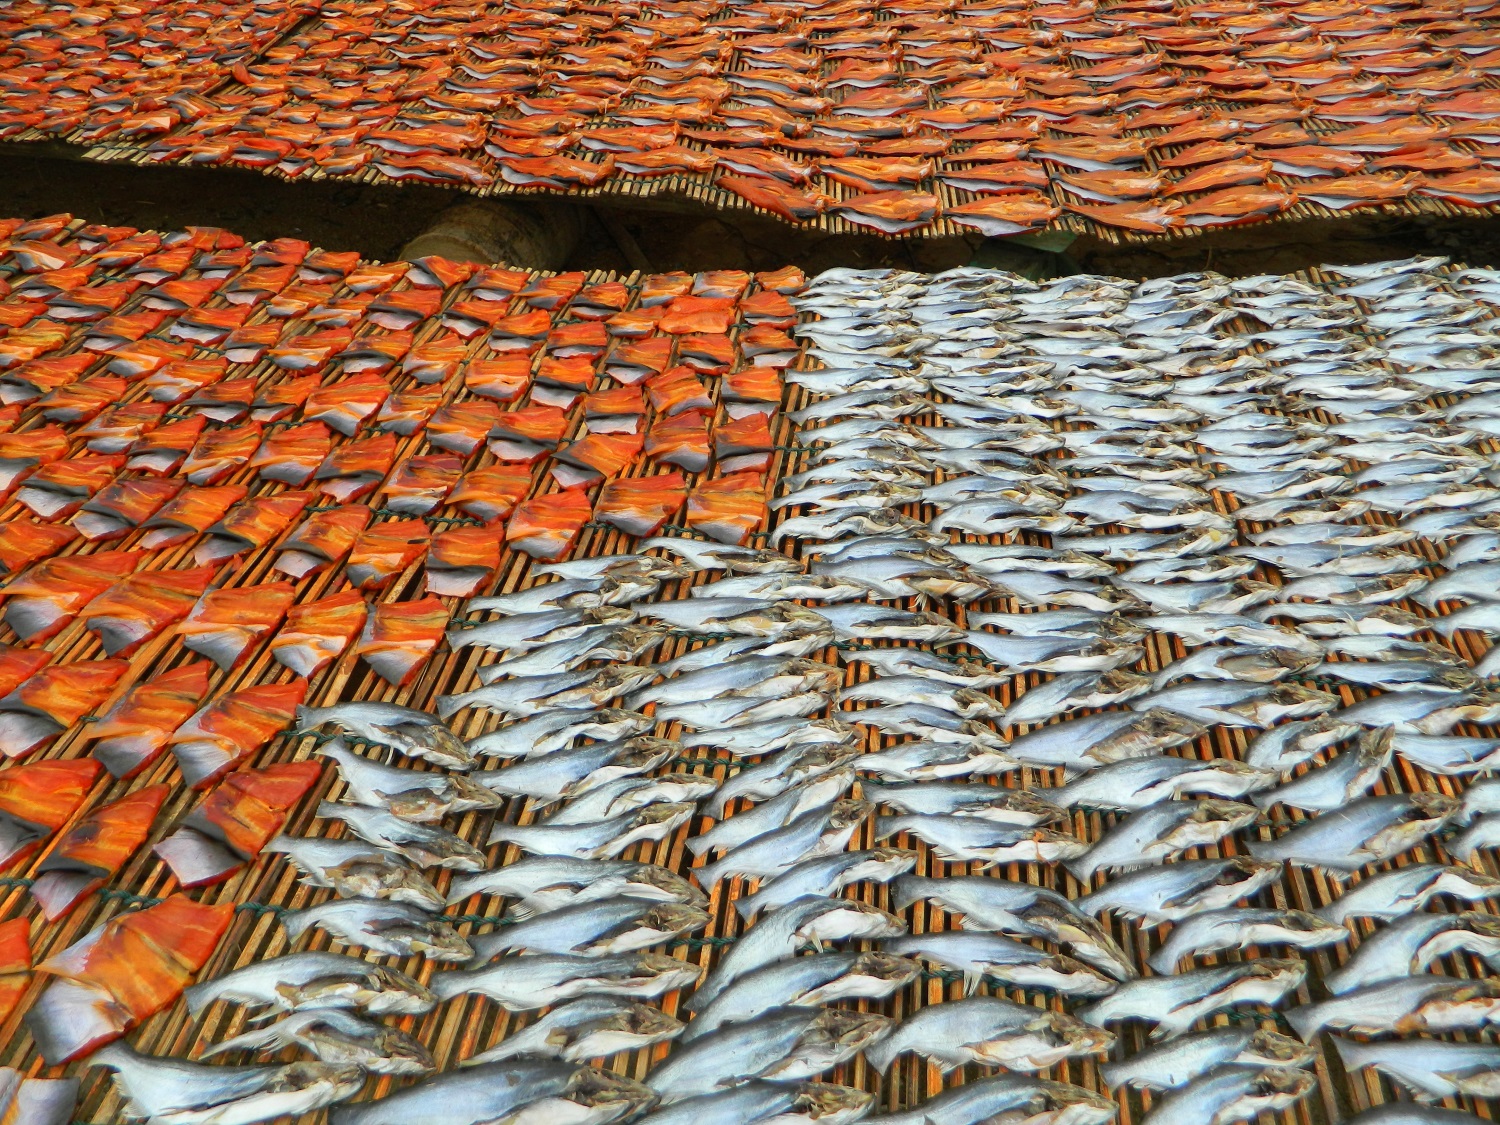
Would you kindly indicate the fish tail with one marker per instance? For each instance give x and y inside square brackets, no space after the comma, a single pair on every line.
[1083,866]
[1112,1073]
[907,890]
[1353,1055]
[295,923]
[308,718]
[1164,960]
[881,1055]
[708,877]
[449,705]
[1306,1021]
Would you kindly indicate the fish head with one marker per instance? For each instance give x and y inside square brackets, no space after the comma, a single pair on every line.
[849,812]
[1081,979]
[646,752]
[850,1031]
[442,943]
[1375,745]
[1079,1037]
[849,918]
[1283,971]
[341,1081]
[664,970]
[654,882]
[1271,1048]
[1029,804]
[471,792]
[1073,1105]
[1485,925]
[674,918]
[1215,809]
[880,865]
[887,968]
[1280,1086]
[431,741]
[399,1052]
[612,1096]
[668,812]
[824,1103]
[607,615]
[646,1021]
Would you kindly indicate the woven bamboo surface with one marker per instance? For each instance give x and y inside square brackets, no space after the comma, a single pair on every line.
[462,1027]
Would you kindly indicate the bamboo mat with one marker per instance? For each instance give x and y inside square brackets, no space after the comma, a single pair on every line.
[451,30]
[466,1025]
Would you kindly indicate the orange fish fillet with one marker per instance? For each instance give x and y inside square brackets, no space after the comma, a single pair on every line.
[235,821]
[94,849]
[640,505]
[728,509]
[233,727]
[250,524]
[323,539]
[134,732]
[121,973]
[544,527]
[383,551]
[45,598]
[137,608]
[399,637]
[462,559]
[316,633]
[54,699]
[227,624]
[38,798]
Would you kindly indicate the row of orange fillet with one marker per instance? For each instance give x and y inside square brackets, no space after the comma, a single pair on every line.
[998,114]
[164,397]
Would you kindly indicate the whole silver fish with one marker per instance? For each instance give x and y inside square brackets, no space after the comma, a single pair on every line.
[315,979]
[626,794]
[805,982]
[783,1045]
[771,735]
[1244,663]
[603,840]
[724,556]
[541,884]
[1232,1093]
[986,802]
[1110,736]
[1236,927]
[1410,945]
[1219,703]
[1427,1002]
[786,1103]
[1075,691]
[817,832]
[817,792]
[1176,891]
[1288,745]
[1174,1003]
[587,1028]
[570,773]
[386,927]
[356,869]
[511,1090]
[336,1036]
[795,768]
[926,760]
[965,839]
[1157,832]
[1430,1069]
[519,633]
[178,1092]
[602,928]
[991,1032]
[826,876]
[1449,755]
[1370,830]
[747,677]
[1141,782]
[523,984]
[552,731]
[1019,908]
[1404,890]
[413,733]
[1004,1097]
[977,954]
[811,920]
[1344,777]
[409,794]
[420,844]
[1175,1063]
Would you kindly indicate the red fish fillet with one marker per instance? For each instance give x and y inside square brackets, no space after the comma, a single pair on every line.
[233,727]
[134,732]
[399,637]
[94,849]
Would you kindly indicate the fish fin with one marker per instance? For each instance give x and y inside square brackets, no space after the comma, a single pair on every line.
[972,981]
[268,1036]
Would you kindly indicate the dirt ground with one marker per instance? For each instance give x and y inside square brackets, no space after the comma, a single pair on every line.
[378,220]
